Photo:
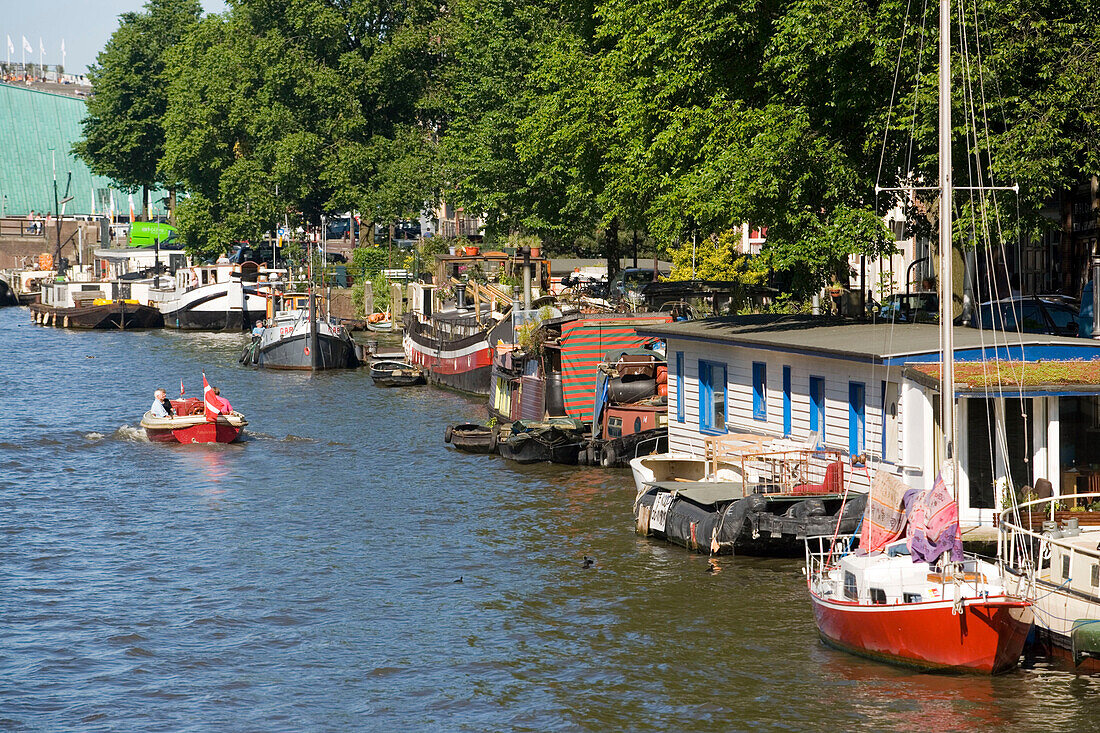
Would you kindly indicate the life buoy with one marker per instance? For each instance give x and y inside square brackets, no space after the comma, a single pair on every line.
[307,351]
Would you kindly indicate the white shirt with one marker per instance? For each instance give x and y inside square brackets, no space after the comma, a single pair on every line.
[158,409]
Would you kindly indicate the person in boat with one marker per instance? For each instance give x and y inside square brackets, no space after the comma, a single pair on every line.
[162,406]
[258,330]
[226,407]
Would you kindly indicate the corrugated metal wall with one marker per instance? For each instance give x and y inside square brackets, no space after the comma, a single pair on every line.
[37,128]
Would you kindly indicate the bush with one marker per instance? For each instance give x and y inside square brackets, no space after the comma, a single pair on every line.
[368,261]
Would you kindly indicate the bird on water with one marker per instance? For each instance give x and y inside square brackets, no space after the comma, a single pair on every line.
[588,562]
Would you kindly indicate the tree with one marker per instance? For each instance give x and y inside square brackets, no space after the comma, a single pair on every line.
[290,110]
[124,130]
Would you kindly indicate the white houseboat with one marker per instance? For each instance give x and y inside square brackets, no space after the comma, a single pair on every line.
[870,390]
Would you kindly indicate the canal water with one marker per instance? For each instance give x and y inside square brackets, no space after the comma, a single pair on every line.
[306,580]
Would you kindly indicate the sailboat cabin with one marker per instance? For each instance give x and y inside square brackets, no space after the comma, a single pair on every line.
[1027,406]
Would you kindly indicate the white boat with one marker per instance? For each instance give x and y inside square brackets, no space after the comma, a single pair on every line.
[223,296]
[1053,560]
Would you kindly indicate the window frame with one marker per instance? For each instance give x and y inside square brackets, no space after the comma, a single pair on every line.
[787,407]
[857,418]
[760,391]
[707,420]
[817,408]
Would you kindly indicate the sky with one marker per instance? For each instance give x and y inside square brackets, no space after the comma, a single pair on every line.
[85,26]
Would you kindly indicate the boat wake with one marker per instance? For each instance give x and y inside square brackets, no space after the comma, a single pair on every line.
[125,432]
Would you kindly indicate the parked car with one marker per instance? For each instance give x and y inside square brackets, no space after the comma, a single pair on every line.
[921,307]
[1029,314]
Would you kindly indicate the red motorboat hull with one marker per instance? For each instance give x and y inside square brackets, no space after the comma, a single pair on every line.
[202,433]
[987,637]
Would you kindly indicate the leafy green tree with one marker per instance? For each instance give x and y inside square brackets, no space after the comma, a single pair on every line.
[124,130]
[289,110]
[716,258]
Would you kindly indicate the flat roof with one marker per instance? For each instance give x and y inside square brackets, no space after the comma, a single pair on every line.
[997,377]
[883,342]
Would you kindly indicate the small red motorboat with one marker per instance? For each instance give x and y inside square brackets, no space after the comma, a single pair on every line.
[191,425]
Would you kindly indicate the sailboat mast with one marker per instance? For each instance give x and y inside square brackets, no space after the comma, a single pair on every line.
[947,336]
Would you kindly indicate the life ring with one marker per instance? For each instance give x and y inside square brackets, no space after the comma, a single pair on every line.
[196,410]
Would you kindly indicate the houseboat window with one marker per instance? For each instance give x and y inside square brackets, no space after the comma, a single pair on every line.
[1096,576]
[712,397]
[614,427]
[759,390]
[912,597]
[1079,447]
[786,402]
[981,418]
[679,386]
[851,590]
[817,408]
[890,421]
[857,417]
[1065,567]
[878,595]
[637,425]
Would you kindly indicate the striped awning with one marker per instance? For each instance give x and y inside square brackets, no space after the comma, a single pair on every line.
[585,342]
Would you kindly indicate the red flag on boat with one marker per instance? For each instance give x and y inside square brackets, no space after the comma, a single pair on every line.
[181,387]
[211,404]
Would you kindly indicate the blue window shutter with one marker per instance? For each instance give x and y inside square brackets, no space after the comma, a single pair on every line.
[680,386]
[882,419]
[706,400]
[817,406]
[856,417]
[786,401]
[759,391]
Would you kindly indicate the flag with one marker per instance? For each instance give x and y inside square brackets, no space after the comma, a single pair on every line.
[41,46]
[181,388]
[211,403]
[11,46]
[93,202]
[27,45]
[131,198]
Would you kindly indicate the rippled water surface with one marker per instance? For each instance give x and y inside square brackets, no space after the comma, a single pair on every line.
[305,579]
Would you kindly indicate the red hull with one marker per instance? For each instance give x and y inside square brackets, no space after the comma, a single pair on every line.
[987,637]
[203,433]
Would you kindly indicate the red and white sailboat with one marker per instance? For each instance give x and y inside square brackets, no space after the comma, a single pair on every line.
[195,421]
[916,600]
[919,601]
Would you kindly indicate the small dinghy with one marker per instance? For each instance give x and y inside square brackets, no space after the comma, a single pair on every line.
[396,374]
[471,437]
[379,323]
[191,425]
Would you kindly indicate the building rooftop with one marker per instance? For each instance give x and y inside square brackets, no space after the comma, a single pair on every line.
[870,342]
[1001,376]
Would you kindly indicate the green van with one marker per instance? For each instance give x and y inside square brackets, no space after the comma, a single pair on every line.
[145,233]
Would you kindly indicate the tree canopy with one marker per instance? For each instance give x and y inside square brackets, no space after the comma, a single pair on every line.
[586,119]
[124,130]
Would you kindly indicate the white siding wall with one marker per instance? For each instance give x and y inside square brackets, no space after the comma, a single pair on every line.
[686,437]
